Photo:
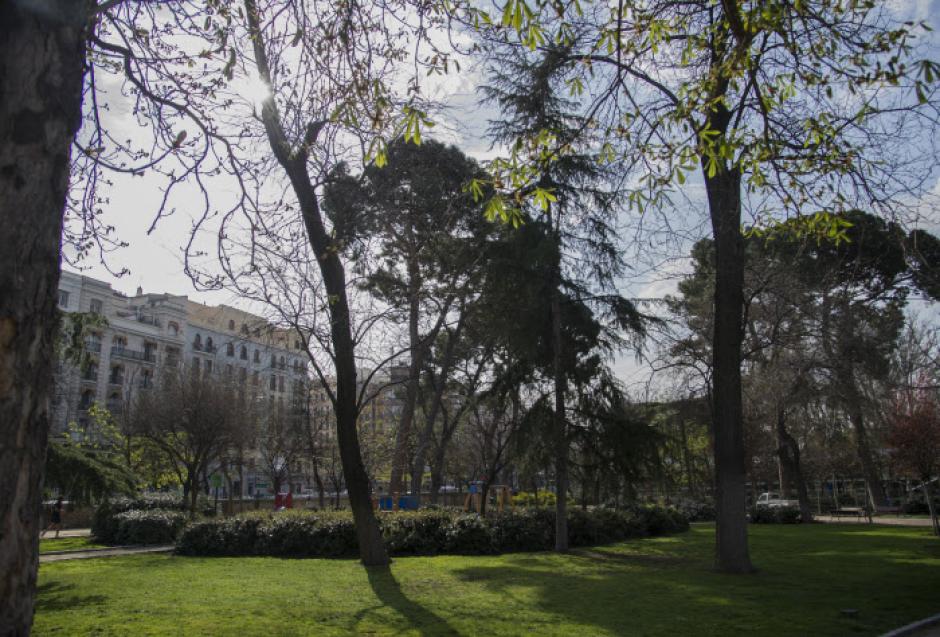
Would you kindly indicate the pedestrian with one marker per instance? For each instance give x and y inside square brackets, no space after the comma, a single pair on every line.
[56,518]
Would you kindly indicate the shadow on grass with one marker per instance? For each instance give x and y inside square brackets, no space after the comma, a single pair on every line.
[804,582]
[54,596]
[389,592]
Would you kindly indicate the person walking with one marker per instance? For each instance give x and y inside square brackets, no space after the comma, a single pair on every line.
[56,518]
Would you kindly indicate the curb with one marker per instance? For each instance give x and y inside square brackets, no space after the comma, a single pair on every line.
[95,550]
[903,631]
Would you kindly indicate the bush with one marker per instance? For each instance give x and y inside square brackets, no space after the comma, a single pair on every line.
[154,526]
[774,515]
[426,532]
[528,499]
[416,533]
[697,511]
[104,525]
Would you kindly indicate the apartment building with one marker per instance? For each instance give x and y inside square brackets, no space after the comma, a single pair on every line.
[144,333]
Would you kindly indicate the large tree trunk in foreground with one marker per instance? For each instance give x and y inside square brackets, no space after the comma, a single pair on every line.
[724,202]
[41,64]
[876,490]
[294,162]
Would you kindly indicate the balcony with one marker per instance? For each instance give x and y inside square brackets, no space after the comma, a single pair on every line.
[93,346]
[134,355]
[90,377]
[202,347]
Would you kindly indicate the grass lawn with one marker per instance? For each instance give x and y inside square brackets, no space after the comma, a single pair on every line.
[661,586]
[47,544]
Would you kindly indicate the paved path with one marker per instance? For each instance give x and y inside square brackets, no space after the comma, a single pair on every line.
[878,519]
[110,552]
[68,533]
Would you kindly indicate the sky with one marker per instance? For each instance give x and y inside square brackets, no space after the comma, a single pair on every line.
[154,260]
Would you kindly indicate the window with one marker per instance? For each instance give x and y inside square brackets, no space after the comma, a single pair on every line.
[96,306]
[197,341]
[257,356]
[209,344]
[119,341]
[297,344]
[172,356]
[229,349]
[228,372]
[231,324]
[91,371]
[208,366]
[281,363]
[63,298]
[88,397]
[196,364]
[280,383]
[243,354]
[174,328]
[117,375]
[273,382]
[242,375]
[273,360]
[254,379]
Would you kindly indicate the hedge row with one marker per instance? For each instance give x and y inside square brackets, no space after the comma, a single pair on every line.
[775,515]
[429,532]
[159,517]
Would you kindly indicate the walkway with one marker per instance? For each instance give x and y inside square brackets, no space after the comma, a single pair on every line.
[109,552]
[878,519]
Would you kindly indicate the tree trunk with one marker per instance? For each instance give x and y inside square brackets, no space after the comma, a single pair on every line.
[294,162]
[42,50]
[928,495]
[788,452]
[876,490]
[724,202]
[424,438]
[558,417]
[418,349]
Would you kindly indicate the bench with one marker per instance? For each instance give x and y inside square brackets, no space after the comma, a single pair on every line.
[848,512]
[888,510]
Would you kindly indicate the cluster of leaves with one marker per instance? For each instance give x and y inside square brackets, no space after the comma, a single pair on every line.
[427,532]
[697,511]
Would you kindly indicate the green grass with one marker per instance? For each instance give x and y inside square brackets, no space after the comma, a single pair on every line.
[661,586]
[48,544]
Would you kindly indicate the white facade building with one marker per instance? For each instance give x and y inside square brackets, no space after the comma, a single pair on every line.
[146,332]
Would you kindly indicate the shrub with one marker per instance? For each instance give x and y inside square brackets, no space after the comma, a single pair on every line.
[104,526]
[469,535]
[528,499]
[697,511]
[416,533]
[428,532]
[774,515]
[154,526]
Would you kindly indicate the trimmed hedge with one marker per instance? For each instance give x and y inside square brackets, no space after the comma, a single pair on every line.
[104,525]
[427,532]
[154,526]
[775,515]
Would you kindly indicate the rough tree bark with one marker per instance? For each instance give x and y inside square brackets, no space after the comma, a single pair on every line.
[724,202]
[294,162]
[42,50]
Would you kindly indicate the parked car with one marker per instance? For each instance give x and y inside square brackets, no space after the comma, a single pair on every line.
[773,500]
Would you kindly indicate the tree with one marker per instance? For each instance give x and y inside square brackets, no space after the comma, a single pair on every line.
[192,419]
[781,106]
[915,440]
[42,50]
[427,234]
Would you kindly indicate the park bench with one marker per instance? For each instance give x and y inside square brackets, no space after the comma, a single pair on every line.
[848,512]
[887,510]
